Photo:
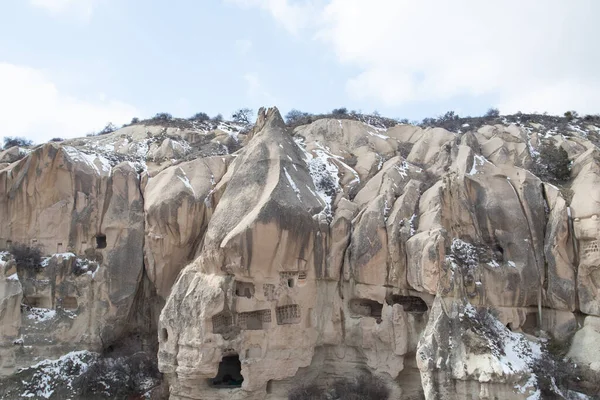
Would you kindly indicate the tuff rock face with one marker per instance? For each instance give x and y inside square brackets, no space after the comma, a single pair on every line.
[428,259]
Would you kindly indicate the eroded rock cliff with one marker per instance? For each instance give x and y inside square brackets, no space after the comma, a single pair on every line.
[435,263]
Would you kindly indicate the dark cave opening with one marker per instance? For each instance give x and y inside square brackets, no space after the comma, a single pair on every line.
[412,304]
[229,374]
[100,241]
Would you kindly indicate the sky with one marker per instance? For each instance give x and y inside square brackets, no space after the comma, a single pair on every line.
[69,67]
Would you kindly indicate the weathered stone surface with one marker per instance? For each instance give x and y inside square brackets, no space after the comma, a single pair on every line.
[178,205]
[421,257]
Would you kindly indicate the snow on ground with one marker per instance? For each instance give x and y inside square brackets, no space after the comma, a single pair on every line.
[41,314]
[185,180]
[403,169]
[324,173]
[477,161]
[96,162]
[4,256]
[292,184]
[412,224]
[378,135]
[48,375]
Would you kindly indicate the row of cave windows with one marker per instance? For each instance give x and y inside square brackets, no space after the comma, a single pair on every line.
[256,320]
[371,308]
[100,243]
[229,374]
[246,289]
[291,314]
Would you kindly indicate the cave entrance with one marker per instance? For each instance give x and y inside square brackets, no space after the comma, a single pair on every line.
[230,373]
[100,241]
[367,308]
[411,304]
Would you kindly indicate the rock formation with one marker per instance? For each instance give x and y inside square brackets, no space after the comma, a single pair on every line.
[253,262]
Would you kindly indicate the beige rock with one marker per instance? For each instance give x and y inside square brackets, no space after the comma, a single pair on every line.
[178,205]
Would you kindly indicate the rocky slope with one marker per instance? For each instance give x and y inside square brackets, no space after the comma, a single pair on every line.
[255,264]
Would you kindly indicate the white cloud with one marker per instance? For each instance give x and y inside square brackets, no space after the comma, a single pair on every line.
[81,9]
[32,106]
[535,55]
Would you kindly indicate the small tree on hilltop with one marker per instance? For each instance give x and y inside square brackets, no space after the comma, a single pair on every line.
[339,111]
[217,118]
[16,141]
[109,128]
[201,117]
[571,115]
[295,116]
[163,117]
[242,116]
[492,113]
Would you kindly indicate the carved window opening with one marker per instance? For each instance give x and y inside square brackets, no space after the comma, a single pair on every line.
[288,314]
[69,303]
[591,248]
[530,325]
[36,302]
[229,374]
[244,289]
[101,241]
[302,275]
[254,320]
[288,278]
[222,322]
[269,291]
[367,308]
[411,304]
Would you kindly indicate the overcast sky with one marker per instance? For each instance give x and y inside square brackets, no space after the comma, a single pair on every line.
[68,67]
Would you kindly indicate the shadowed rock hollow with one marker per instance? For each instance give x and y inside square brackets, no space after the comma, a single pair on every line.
[434,262]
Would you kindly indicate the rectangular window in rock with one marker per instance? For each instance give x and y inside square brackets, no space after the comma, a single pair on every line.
[269,291]
[69,303]
[288,314]
[591,247]
[36,302]
[244,289]
[100,241]
[254,320]
[222,322]
[288,278]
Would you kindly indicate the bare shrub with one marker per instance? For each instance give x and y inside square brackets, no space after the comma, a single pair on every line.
[306,392]
[163,117]
[492,113]
[295,116]
[120,372]
[552,164]
[242,116]
[27,257]
[16,141]
[201,117]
